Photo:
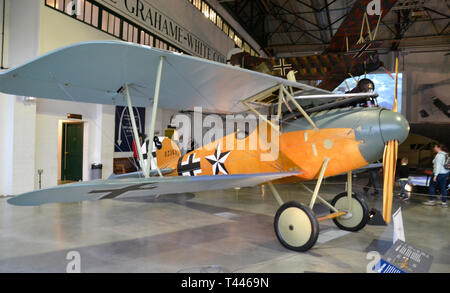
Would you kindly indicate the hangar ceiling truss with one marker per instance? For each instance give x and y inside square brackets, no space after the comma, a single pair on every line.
[284,27]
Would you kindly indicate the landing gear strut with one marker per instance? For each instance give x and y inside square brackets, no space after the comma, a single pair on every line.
[296,225]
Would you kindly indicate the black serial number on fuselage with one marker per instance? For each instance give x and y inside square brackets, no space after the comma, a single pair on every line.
[171,153]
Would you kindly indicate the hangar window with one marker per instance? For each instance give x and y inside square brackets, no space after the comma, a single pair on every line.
[80,9]
[146,39]
[125,31]
[247,48]
[83,10]
[160,44]
[95,14]
[57,4]
[231,33]
[225,28]
[219,22]
[238,41]
[197,3]
[60,5]
[104,21]
[88,12]
[135,34]
[205,9]
[131,33]
[109,22]
[150,40]
[212,16]
[117,27]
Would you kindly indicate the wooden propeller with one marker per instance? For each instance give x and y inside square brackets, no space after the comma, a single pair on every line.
[389,163]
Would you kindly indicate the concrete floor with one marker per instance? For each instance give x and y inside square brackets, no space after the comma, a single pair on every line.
[223,231]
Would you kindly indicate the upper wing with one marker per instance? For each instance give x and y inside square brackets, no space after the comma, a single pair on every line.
[94,72]
[132,187]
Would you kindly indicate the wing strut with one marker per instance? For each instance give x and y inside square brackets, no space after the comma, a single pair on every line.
[288,94]
[135,133]
[319,182]
[154,113]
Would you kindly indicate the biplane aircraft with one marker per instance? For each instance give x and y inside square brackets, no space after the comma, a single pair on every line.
[352,51]
[311,147]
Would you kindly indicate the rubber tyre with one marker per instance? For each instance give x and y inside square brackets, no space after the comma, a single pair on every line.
[292,215]
[360,212]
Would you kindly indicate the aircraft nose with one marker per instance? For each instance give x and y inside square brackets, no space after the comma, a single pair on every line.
[393,126]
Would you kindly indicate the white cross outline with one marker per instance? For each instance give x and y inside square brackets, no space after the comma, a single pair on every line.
[283,67]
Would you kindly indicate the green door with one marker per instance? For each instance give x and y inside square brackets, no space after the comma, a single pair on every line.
[72,152]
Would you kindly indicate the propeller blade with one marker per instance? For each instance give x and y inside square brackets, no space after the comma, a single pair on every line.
[389,163]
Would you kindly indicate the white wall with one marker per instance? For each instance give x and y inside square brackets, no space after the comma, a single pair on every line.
[6,145]
[18,124]
[1,28]
[58,30]
[98,137]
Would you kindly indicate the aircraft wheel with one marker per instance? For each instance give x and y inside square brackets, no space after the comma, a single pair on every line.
[296,226]
[359,214]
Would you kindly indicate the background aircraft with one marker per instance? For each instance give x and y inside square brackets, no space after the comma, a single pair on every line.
[352,52]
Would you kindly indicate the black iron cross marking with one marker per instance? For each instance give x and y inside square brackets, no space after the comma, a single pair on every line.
[190,167]
[113,193]
[145,157]
[283,67]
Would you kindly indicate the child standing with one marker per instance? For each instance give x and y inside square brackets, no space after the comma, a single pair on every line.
[403,174]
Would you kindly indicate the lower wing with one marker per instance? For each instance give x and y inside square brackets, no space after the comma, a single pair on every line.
[132,187]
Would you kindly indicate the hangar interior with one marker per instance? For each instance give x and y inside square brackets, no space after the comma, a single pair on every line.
[49,142]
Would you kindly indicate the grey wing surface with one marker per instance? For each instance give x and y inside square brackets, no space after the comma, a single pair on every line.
[134,187]
[96,72]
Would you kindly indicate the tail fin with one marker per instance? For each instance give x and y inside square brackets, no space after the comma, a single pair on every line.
[168,154]
[291,76]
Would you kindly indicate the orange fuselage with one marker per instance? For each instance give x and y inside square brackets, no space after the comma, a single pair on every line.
[303,151]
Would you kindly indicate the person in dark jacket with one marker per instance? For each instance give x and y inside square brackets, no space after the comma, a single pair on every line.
[373,174]
[403,176]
